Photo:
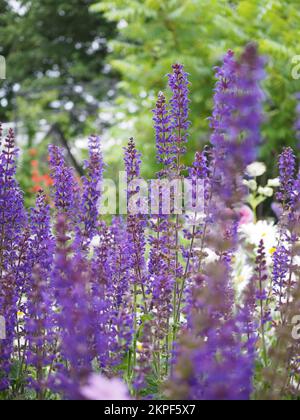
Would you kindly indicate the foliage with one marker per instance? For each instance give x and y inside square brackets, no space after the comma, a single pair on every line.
[154,34]
[55,67]
[56,74]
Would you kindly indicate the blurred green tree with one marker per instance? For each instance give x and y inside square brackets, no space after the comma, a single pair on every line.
[153,34]
[56,74]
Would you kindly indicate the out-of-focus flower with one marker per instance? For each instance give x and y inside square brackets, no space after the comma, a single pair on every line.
[251,184]
[256,169]
[32,152]
[34,163]
[100,388]
[274,183]
[277,209]
[264,230]
[246,215]
[266,191]
[211,256]
[48,181]
[139,346]
[242,270]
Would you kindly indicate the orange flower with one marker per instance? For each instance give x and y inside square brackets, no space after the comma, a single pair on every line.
[48,180]
[32,152]
[36,188]
[36,179]
[34,163]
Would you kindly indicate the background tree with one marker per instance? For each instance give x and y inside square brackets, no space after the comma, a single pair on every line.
[153,34]
[56,74]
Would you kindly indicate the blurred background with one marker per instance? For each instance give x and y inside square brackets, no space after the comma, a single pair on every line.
[76,67]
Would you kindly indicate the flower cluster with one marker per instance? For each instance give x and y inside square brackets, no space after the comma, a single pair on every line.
[153,306]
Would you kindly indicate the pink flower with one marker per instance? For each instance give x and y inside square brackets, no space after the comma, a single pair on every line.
[246,215]
[100,388]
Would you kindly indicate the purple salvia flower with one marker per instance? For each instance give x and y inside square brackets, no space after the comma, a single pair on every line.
[222,366]
[136,223]
[119,259]
[65,185]
[13,244]
[145,353]
[161,304]
[261,278]
[247,315]
[297,122]
[212,361]
[102,288]
[236,123]
[281,270]
[200,171]
[36,247]
[197,200]
[75,317]
[287,172]
[223,174]
[136,226]
[162,274]
[42,241]
[200,168]
[39,318]
[248,102]
[179,85]
[237,112]
[223,101]
[12,214]
[120,290]
[40,330]
[163,130]
[171,127]
[284,269]
[8,310]
[77,327]
[92,184]
[132,159]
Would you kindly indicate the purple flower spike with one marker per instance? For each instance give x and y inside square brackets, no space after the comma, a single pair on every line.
[287,172]
[65,185]
[91,195]
[179,85]
[164,143]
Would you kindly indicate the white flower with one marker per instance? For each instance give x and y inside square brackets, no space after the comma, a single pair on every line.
[266,191]
[274,183]
[242,271]
[100,388]
[256,169]
[211,256]
[251,184]
[96,241]
[296,261]
[264,230]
